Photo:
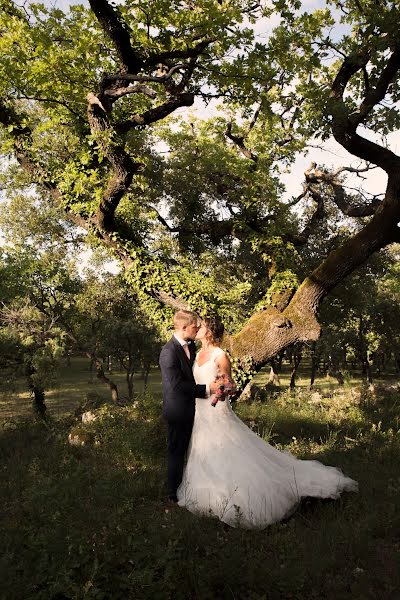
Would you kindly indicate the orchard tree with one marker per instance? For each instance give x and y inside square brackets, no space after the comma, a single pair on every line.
[109,322]
[31,341]
[87,104]
[360,323]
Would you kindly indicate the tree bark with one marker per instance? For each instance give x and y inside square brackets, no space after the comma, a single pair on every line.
[106,380]
[315,357]
[38,403]
[274,374]
[145,372]
[297,356]
[129,381]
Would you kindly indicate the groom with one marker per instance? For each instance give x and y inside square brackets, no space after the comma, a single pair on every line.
[179,393]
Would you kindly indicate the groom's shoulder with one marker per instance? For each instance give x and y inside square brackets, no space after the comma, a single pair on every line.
[170,345]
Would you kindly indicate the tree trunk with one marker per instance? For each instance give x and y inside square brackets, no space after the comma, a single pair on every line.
[366,369]
[246,394]
[383,363]
[334,369]
[106,380]
[274,374]
[145,373]
[129,381]
[38,403]
[297,356]
[314,363]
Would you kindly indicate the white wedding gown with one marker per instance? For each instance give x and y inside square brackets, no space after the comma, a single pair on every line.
[233,474]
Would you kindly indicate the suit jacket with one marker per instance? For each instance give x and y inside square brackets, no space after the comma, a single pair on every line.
[179,386]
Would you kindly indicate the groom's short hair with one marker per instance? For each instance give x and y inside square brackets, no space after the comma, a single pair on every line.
[183,318]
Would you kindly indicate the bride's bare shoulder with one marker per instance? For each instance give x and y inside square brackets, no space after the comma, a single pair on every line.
[222,361]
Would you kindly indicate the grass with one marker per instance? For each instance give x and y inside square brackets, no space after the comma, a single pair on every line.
[90,523]
[69,390]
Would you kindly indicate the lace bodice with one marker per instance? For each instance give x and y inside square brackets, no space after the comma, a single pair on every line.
[208,371]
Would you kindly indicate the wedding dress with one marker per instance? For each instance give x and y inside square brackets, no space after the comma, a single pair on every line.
[231,473]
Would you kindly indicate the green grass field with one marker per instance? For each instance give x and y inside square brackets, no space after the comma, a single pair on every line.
[69,390]
[90,523]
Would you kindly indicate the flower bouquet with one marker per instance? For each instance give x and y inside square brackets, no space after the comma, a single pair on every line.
[226,388]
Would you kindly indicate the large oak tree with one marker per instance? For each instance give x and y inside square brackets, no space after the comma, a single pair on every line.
[87,104]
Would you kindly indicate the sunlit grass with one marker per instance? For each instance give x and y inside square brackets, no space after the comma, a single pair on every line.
[72,384]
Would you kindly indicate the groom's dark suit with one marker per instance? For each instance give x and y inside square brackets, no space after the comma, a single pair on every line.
[179,393]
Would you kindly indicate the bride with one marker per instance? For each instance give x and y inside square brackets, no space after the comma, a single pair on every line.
[231,473]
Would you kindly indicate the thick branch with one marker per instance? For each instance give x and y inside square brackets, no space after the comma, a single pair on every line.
[239,142]
[117,30]
[340,198]
[134,77]
[342,202]
[378,92]
[132,89]
[351,64]
[344,125]
[268,332]
[318,215]
[161,57]
[123,166]
[237,227]
[157,113]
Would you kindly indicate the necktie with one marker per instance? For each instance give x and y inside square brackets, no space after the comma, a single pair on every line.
[187,351]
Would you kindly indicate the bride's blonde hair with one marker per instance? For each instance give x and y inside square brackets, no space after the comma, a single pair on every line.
[215,330]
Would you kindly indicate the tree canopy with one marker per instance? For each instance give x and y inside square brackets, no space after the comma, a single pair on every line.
[94,105]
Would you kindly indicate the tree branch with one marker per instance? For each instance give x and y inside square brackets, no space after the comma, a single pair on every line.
[344,125]
[239,142]
[377,93]
[123,166]
[133,89]
[318,215]
[117,30]
[107,79]
[340,198]
[161,57]
[156,113]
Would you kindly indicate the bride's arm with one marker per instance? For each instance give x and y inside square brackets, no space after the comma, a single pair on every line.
[224,365]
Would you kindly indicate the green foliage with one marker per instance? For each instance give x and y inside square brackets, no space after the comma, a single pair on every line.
[362,319]
[243,371]
[203,219]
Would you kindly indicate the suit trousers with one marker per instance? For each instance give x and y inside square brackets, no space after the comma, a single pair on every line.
[178,443]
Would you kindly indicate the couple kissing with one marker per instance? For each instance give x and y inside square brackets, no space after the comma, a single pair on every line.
[230,472]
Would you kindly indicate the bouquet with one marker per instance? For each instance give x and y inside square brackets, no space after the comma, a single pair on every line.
[226,388]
